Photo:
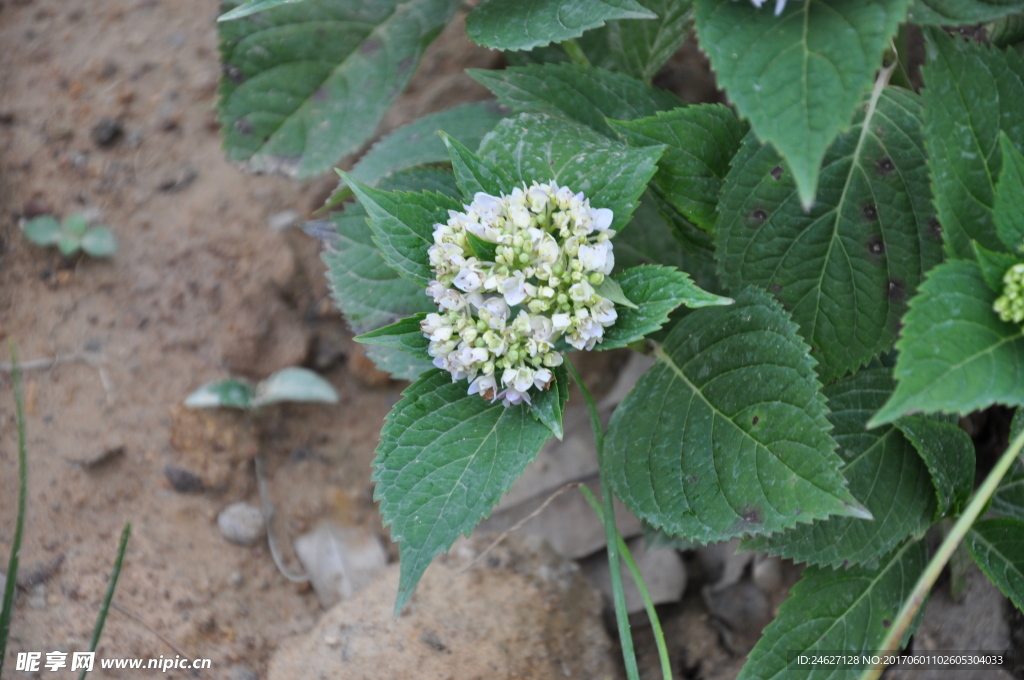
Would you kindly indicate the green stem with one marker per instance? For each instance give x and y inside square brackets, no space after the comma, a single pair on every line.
[638,579]
[575,52]
[943,555]
[7,609]
[618,596]
[108,598]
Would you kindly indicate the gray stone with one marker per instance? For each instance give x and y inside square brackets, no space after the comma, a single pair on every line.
[241,523]
[519,612]
[340,561]
[663,571]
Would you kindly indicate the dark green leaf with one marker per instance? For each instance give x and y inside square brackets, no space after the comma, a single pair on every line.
[949,454]
[997,545]
[611,289]
[994,265]
[525,24]
[700,142]
[1009,498]
[836,610]
[368,292]
[534,147]
[955,355]
[419,143]
[475,174]
[444,459]
[1008,211]
[485,251]
[639,47]
[884,475]
[954,12]
[549,405]
[251,7]
[656,291]
[404,335]
[962,135]
[580,93]
[799,77]
[403,226]
[727,434]
[649,240]
[43,231]
[307,83]
[846,268]
[222,394]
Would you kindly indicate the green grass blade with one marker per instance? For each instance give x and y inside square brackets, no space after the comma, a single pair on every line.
[102,618]
[12,562]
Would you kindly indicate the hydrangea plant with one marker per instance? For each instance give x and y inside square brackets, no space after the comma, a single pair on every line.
[770,255]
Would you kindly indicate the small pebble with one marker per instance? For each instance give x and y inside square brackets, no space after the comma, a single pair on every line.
[236,580]
[240,672]
[283,220]
[37,597]
[183,480]
[106,132]
[241,523]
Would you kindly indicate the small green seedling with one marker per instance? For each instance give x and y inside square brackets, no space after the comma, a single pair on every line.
[72,235]
[288,384]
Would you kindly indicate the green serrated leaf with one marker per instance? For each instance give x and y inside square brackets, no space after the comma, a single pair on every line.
[836,610]
[43,231]
[485,251]
[581,94]
[700,143]
[798,78]
[949,454]
[251,7]
[370,293]
[956,12]
[611,289]
[962,137]
[955,355]
[307,83]
[727,434]
[656,291]
[883,474]
[650,240]
[398,364]
[367,291]
[222,394]
[640,47]
[475,174]
[403,226]
[99,242]
[549,406]
[405,335]
[525,24]
[846,268]
[997,545]
[534,147]
[294,384]
[1008,210]
[419,143]
[1008,500]
[994,265]
[444,459]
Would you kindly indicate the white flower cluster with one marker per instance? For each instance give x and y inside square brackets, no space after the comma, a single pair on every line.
[514,274]
[779,5]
